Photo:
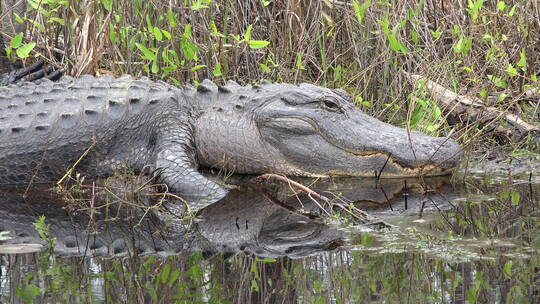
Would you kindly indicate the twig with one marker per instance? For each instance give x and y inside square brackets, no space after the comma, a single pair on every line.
[70,170]
[287,207]
[352,210]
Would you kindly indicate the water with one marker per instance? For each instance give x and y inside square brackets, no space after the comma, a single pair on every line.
[475,238]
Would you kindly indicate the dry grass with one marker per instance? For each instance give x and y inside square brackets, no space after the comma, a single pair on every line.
[323,42]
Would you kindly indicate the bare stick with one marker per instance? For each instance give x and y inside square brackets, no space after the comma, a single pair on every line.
[345,207]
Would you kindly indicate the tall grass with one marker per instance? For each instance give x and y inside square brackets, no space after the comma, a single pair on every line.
[486,48]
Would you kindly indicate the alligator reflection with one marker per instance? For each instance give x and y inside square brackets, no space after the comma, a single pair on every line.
[483,248]
[246,220]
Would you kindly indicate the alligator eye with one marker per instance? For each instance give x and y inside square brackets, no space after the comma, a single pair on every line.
[330,105]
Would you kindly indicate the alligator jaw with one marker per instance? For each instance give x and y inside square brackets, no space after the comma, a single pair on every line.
[390,169]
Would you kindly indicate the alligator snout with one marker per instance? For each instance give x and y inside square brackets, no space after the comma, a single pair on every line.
[448,153]
[415,151]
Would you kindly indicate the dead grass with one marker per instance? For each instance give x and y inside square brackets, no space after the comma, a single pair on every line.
[323,42]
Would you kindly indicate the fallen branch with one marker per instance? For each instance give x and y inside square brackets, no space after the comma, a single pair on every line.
[468,108]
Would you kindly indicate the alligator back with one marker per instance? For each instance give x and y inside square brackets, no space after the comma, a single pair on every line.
[45,127]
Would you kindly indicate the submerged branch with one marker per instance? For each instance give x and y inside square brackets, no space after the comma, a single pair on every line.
[348,208]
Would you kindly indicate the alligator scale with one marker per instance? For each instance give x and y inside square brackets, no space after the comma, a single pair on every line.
[106,124]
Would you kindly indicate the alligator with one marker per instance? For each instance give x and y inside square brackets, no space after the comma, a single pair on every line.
[245,221]
[96,126]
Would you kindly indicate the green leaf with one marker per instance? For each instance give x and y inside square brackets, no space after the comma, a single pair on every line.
[197,67]
[166,34]
[187,31]
[198,5]
[463,45]
[298,64]
[437,112]
[28,293]
[394,43]
[512,72]
[113,36]
[414,37]
[16,40]
[403,48]
[483,93]
[265,260]
[385,26]
[171,18]
[501,5]
[107,4]
[264,67]
[155,67]
[511,12]
[148,22]
[338,73]
[522,63]
[112,276]
[212,26]
[18,18]
[174,276]
[257,44]
[499,82]
[416,116]
[25,50]
[360,10]
[157,33]
[471,295]
[515,197]
[422,102]
[436,34]
[508,269]
[148,54]
[150,261]
[235,37]
[189,49]
[165,273]
[217,70]
[474,8]
[247,35]
[432,127]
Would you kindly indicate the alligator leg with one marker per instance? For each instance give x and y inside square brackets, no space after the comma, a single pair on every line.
[177,166]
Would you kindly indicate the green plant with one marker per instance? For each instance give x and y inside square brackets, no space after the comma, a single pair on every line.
[43,230]
[22,51]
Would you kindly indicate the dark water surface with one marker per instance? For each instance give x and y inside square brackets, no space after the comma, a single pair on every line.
[475,238]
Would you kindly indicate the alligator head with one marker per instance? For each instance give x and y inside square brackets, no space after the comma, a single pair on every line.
[308,130]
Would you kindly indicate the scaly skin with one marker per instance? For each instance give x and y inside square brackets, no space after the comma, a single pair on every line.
[244,221]
[106,124]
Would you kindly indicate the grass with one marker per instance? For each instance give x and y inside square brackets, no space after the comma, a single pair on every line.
[482,48]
